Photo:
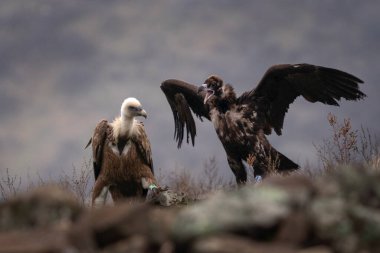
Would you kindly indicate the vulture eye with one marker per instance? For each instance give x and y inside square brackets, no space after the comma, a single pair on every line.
[132,108]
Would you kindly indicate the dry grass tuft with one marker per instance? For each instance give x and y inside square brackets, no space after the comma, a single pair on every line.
[78,181]
[348,146]
[10,184]
[180,180]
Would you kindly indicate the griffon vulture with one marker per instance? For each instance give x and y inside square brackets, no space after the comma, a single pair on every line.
[122,156]
[242,123]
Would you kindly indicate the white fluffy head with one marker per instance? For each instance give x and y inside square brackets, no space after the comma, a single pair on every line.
[131,107]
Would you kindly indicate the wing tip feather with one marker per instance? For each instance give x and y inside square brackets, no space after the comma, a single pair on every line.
[89,143]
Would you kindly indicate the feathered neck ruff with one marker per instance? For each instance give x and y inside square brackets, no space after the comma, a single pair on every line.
[124,127]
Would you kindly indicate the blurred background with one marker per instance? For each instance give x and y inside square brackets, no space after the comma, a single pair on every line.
[65,65]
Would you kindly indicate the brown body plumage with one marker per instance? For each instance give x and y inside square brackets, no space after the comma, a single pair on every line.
[122,155]
[242,122]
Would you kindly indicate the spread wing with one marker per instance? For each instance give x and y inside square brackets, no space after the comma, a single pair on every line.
[282,84]
[143,146]
[182,97]
[98,142]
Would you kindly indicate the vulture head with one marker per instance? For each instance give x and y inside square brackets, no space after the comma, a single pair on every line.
[213,87]
[131,107]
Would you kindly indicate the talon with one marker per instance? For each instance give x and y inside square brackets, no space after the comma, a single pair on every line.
[258,179]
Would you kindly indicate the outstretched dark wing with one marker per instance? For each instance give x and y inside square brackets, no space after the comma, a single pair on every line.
[143,146]
[282,84]
[182,97]
[98,142]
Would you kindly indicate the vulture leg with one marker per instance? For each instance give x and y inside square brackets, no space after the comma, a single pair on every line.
[258,179]
[99,194]
[238,169]
[116,194]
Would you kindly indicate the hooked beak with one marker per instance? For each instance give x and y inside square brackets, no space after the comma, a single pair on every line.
[143,113]
[209,92]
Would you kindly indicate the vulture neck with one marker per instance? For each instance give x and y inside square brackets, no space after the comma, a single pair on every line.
[225,100]
[123,127]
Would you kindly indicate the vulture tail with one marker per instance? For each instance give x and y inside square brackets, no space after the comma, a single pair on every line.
[281,163]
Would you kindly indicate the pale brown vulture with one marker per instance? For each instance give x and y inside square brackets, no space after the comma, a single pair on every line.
[242,122]
[122,156]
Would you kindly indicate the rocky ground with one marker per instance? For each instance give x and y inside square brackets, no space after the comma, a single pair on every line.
[335,213]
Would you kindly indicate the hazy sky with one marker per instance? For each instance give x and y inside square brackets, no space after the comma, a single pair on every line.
[65,65]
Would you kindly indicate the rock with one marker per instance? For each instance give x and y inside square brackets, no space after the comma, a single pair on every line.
[346,211]
[43,206]
[366,221]
[295,229]
[316,249]
[133,244]
[261,207]
[261,210]
[167,197]
[299,187]
[337,213]
[233,244]
[104,227]
[38,241]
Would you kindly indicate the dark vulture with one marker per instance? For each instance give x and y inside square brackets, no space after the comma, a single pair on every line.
[122,156]
[242,123]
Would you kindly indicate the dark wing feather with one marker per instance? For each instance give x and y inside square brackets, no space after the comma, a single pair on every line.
[88,143]
[98,142]
[282,84]
[143,146]
[182,97]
